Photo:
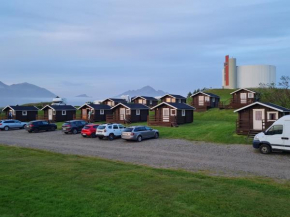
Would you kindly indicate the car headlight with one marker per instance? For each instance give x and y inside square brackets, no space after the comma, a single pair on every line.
[256,138]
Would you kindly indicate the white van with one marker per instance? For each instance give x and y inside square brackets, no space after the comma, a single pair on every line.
[277,137]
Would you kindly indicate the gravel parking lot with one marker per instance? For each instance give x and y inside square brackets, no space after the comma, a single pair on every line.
[228,160]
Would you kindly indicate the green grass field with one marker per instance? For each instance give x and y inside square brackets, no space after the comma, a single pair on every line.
[38,183]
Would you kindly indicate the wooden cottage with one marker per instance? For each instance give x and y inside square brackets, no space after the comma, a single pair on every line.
[21,113]
[113,101]
[58,113]
[94,112]
[240,98]
[203,101]
[258,116]
[171,114]
[173,98]
[128,113]
[145,100]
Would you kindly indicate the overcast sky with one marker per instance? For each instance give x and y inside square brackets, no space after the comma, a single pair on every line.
[105,47]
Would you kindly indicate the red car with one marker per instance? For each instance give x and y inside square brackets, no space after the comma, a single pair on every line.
[89,130]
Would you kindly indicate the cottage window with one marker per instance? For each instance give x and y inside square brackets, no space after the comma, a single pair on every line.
[102,112]
[24,113]
[183,112]
[151,102]
[140,101]
[201,100]
[207,99]
[272,116]
[54,112]
[138,112]
[213,99]
[128,111]
[168,99]
[63,112]
[250,95]
[179,101]
[173,112]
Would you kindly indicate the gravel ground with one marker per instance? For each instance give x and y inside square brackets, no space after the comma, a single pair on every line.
[228,160]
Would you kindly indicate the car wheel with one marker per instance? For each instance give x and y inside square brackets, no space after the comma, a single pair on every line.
[52,129]
[29,131]
[93,135]
[65,132]
[100,137]
[139,138]
[84,136]
[111,137]
[156,136]
[6,128]
[35,130]
[265,149]
[75,131]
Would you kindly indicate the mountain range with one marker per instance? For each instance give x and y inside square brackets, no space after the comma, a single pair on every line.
[24,90]
[144,91]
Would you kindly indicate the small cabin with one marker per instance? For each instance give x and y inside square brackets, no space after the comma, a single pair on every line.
[128,113]
[258,116]
[94,112]
[173,98]
[20,113]
[145,100]
[203,101]
[58,113]
[171,114]
[242,97]
[113,101]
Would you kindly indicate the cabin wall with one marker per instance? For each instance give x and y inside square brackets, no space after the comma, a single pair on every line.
[237,96]
[172,100]
[145,102]
[69,116]
[134,118]
[109,103]
[99,117]
[31,116]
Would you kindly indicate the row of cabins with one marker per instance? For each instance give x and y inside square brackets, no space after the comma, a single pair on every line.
[172,110]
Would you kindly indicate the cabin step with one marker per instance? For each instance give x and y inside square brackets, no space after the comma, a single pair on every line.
[174,124]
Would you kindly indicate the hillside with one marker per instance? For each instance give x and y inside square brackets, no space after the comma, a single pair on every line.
[144,91]
[24,90]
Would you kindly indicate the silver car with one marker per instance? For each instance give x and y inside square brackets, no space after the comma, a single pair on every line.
[11,124]
[138,133]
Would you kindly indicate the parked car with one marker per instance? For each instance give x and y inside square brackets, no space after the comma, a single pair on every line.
[11,124]
[74,126]
[36,126]
[110,131]
[276,137]
[138,133]
[89,130]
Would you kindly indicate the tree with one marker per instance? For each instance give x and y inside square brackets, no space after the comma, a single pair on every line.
[285,82]
[189,94]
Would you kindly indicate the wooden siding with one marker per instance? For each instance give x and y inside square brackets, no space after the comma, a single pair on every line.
[96,115]
[116,117]
[212,103]
[58,117]
[145,102]
[172,99]
[31,116]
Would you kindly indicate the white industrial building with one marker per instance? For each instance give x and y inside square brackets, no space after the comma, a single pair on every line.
[249,76]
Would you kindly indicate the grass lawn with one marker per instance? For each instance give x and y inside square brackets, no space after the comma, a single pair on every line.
[38,183]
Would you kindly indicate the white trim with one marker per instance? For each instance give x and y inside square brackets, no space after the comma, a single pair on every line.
[259,103]
[171,112]
[47,106]
[172,106]
[252,96]
[201,93]
[63,112]
[138,112]
[271,112]
[128,111]
[129,107]
[183,113]
[243,89]
[84,105]
[7,107]
[24,114]
[102,111]
[172,96]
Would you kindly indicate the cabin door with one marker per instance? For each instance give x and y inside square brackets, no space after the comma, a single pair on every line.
[50,114]
[84,114]
[201,100]
[243,98]
[122,113]
[258,117]
[165,114]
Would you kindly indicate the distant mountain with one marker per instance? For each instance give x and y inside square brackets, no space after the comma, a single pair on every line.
[144,91]
[82,95]
[24,90]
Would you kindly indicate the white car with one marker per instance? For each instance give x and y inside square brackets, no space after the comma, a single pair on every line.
[110,131]
[11,124]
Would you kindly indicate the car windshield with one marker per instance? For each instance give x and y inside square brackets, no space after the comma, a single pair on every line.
[66,123]
[128,130]
[101,127]
[87,127]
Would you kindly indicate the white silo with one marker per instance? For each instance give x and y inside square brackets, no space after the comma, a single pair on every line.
[232,73]
[253,75]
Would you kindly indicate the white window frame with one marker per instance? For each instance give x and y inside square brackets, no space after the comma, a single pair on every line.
[213,99]
[183,112]
[268,116]
[250,95]
[179,100]
[128,111]
[137,111]
[13,112]
[102,111]
[171,112]
[151,102]
[206,98]
[53,112]
[24,113]
[63,112]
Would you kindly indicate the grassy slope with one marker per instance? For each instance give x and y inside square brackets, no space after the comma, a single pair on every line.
[37,183]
